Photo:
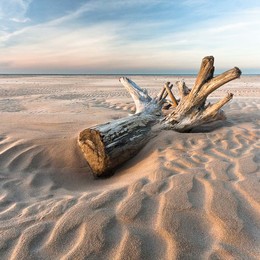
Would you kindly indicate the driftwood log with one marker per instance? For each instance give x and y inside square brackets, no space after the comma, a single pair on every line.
[107,146]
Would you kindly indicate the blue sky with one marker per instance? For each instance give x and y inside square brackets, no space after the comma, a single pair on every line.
[128,36]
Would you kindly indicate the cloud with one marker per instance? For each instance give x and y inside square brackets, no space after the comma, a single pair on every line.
[20,20]
[78,42]
[14,10]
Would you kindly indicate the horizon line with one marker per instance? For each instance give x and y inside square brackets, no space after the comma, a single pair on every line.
[104,74]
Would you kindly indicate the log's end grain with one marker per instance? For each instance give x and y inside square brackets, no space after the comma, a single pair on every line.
[93,150]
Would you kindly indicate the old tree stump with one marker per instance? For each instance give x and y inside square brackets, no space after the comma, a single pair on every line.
[107,146]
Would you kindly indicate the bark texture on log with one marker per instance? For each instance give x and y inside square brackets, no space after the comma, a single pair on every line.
[107,146]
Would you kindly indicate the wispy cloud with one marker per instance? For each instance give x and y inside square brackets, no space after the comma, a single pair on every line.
[128,36]
[14,10]
[20,20]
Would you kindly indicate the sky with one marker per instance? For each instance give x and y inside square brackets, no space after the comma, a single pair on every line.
[128,36]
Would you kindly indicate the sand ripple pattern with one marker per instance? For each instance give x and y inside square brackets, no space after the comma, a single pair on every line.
[185,196]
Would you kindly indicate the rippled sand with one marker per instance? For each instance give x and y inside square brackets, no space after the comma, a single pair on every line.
[184,196]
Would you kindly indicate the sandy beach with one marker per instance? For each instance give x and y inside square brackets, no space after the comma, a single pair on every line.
[184,196]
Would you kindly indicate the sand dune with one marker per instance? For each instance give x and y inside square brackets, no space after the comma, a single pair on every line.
[184,196]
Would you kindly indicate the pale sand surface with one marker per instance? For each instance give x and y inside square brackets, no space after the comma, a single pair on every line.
[184,196]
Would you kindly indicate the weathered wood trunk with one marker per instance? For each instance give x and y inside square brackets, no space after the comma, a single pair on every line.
[107,146]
